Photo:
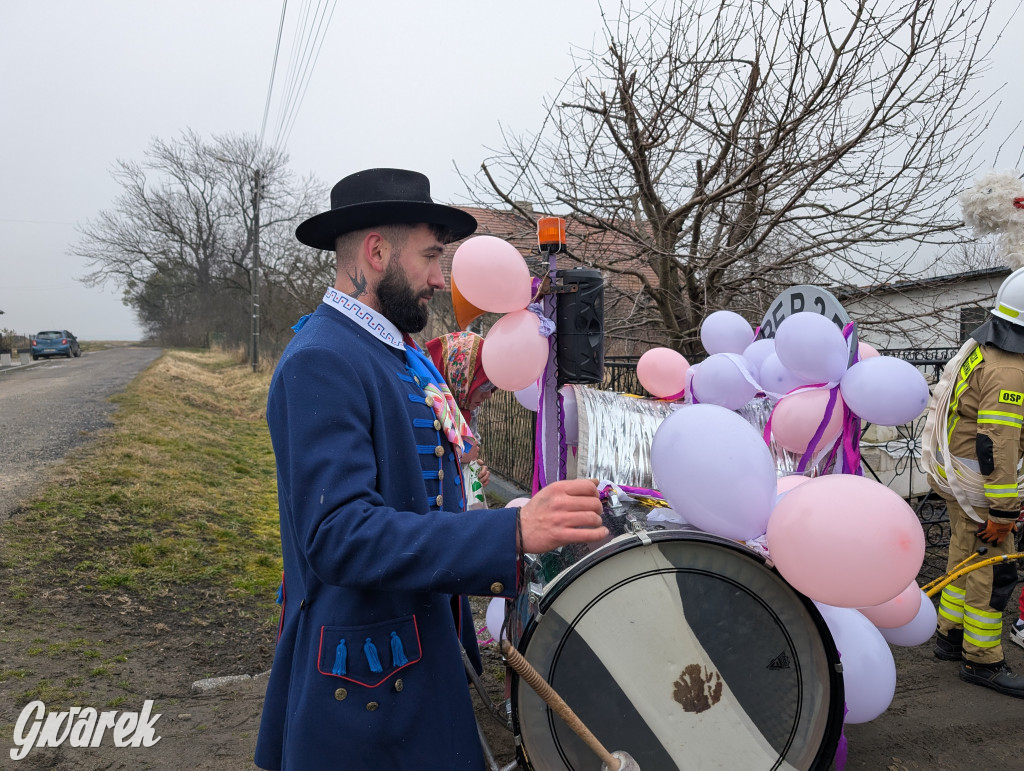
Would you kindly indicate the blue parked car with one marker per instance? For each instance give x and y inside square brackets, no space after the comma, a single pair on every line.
[58,342]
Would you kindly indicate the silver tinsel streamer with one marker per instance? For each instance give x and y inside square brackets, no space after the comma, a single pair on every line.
[615,435]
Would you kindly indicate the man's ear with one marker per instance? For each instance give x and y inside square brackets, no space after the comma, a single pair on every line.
[377,250]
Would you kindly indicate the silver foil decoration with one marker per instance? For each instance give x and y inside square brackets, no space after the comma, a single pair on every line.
[616,433]
[615,436]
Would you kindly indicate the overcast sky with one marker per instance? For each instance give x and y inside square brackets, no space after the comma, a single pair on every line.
[406,83]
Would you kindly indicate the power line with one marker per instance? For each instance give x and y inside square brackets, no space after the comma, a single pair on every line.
[307,63]
[273,69]
[316,57]
[297,44]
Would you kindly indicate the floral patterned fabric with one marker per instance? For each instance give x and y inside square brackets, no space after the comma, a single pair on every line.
[457,357]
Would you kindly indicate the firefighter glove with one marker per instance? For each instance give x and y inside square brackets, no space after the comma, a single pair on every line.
[994,532]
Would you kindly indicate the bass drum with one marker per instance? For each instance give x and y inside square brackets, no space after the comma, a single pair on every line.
[687,652]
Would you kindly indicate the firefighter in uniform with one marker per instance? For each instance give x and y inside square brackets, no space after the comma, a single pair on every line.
[977,471]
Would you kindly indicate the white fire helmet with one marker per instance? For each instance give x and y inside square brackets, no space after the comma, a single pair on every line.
[1010,298]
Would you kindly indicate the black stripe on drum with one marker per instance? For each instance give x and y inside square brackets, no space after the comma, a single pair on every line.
[587,686]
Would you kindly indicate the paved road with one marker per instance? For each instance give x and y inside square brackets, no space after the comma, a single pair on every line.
[52,406]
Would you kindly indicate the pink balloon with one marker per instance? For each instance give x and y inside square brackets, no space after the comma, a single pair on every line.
[492,275]
[723,379]
[515,353]
[919,630]
[788,482]
[796,419]
[845,540]
[898,611]
[725,332]
[811,346]
[662,372]
[865,351]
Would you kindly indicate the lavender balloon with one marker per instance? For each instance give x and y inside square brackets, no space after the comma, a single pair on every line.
[869,672]
[919,630]
[885,390]
[776,378]
[723,379]
[813,347]
[715,470]
[725,332]
[756,353]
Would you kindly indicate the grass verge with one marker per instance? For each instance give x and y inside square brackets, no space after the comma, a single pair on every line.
[160,535]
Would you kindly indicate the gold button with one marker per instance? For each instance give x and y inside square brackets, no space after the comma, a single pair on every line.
[497,587]
[439,451]
[372,706]
[399,685]
[340,694]
[440,474]
[439,500]
[429,400]
[437,425]
[416,378]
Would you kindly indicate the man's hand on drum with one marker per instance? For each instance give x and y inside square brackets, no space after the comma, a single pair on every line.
[563,512]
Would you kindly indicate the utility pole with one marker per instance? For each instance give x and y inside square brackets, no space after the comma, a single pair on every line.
[254,354]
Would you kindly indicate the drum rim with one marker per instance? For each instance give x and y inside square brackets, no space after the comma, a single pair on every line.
[825,754]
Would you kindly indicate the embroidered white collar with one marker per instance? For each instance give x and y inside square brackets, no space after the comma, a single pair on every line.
[365,317]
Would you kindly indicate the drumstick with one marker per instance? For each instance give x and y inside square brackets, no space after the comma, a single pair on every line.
[526,671]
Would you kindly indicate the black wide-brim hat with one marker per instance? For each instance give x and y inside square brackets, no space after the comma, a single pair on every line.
[376,197]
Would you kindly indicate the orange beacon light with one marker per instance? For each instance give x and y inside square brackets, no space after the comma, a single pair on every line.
[551,234]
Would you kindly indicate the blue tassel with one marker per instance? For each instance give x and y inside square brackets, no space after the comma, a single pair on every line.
[301,322]
[340,658]
[398,658]
[280,593]
[371,656]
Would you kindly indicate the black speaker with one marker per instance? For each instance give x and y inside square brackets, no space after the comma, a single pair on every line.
[579,323]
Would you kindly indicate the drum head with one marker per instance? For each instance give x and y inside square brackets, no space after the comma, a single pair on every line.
[686,653]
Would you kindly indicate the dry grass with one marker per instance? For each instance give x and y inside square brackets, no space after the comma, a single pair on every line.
[181,490]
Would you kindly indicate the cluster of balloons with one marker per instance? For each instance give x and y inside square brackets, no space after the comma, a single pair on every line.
[850,544]
[805,369]
[489,275]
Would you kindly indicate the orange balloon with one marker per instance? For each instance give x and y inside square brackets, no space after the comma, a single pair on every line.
[465,311]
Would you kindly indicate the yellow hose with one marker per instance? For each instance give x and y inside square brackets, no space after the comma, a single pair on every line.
[934,588]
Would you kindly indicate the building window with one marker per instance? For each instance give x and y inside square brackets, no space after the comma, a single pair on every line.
[971,317]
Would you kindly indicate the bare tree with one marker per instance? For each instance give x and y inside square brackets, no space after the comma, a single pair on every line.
[724,148]
[179,239]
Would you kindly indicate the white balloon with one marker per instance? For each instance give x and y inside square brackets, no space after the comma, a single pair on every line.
[496,617]
[570,409]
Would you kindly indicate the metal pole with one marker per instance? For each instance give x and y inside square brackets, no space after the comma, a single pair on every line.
[255,353]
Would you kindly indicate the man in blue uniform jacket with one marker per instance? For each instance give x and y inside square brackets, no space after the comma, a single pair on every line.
[379,552]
